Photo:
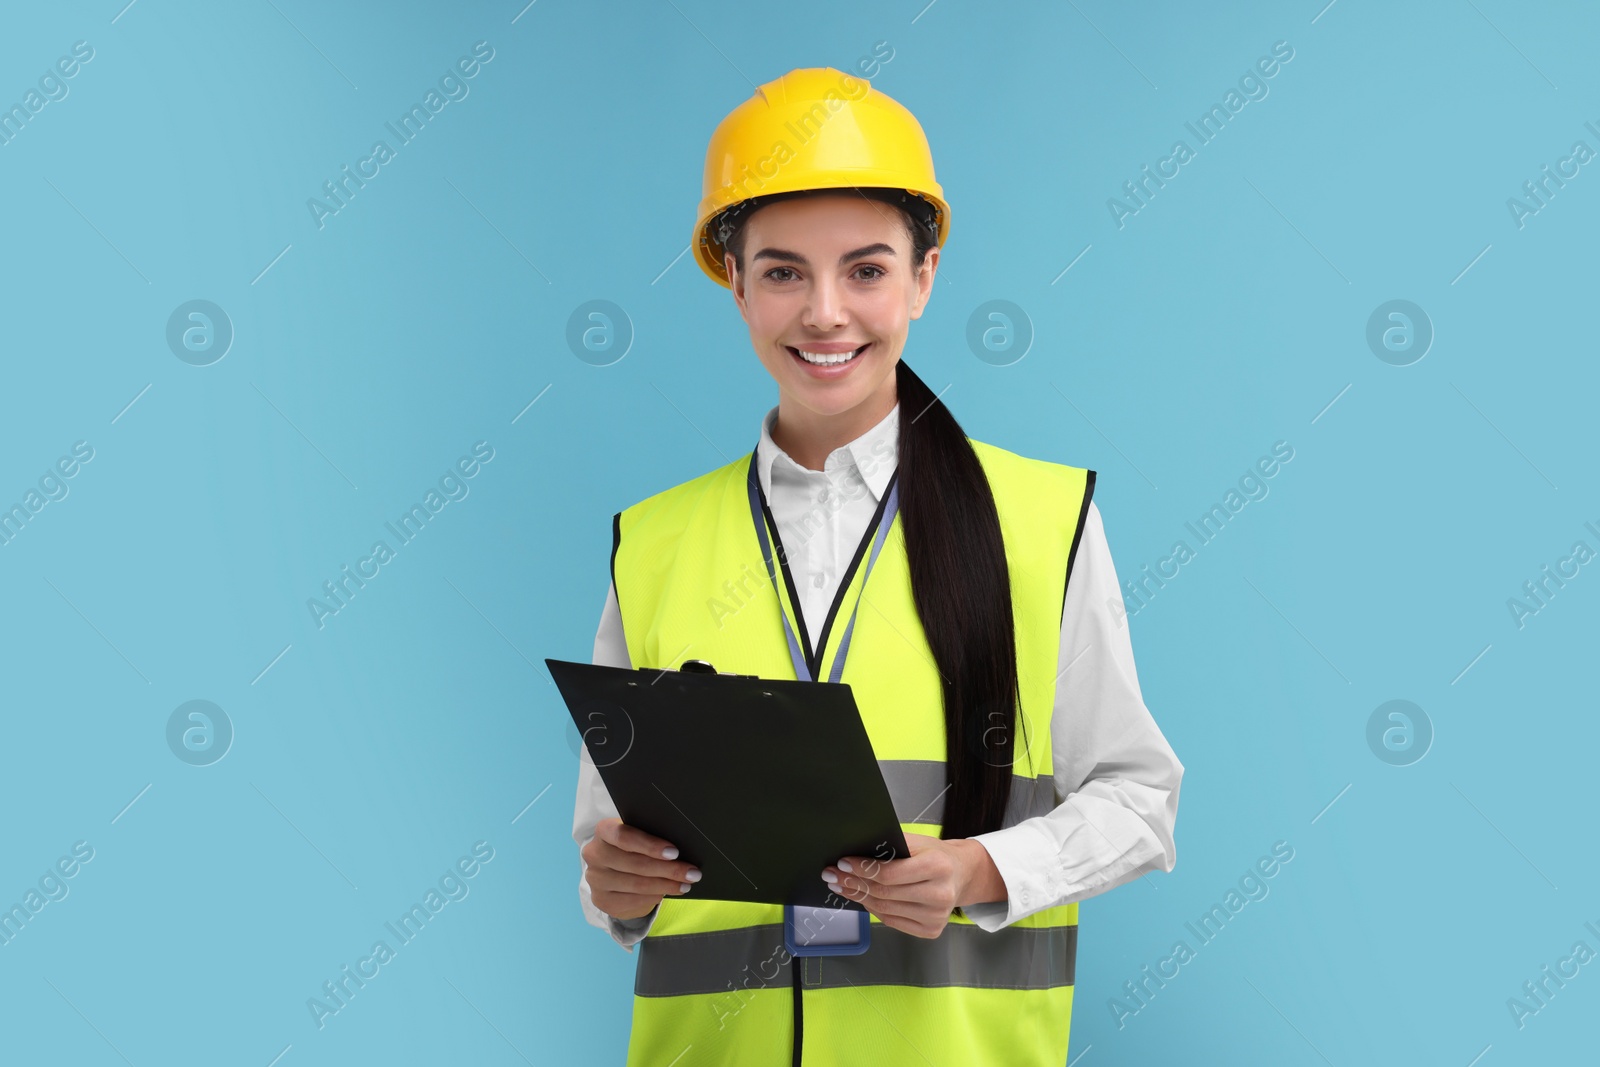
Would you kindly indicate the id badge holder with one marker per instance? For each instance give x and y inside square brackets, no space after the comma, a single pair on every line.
[831,946]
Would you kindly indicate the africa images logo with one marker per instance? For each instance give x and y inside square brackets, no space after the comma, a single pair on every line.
[453,886]
[453,486]
[1205,129]
[338,193]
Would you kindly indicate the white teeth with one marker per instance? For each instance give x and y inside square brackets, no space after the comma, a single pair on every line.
[817,357]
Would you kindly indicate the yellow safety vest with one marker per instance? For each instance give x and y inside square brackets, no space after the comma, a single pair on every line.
[714,983]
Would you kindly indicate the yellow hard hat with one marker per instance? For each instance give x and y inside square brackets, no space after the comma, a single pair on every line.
[814,128]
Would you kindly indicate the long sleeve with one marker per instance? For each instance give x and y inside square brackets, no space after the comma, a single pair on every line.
[1116,777]
[594,802]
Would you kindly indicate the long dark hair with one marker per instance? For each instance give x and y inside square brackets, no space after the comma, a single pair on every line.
[960,581]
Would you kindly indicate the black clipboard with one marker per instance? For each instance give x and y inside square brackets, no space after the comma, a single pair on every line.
[760,782]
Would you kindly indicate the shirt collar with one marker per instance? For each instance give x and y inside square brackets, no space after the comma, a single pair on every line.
[873,454]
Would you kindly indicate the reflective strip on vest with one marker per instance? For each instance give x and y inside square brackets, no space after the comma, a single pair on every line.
[1016,957]
[917,788]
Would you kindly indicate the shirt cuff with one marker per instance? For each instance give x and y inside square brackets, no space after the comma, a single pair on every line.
[1014,850]
[629,932]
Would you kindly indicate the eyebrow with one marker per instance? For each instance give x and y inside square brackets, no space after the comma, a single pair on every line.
[785,256]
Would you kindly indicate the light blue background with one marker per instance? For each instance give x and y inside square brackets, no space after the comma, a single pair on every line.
[430,311]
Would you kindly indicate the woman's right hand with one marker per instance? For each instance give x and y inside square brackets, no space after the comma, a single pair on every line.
[630,871]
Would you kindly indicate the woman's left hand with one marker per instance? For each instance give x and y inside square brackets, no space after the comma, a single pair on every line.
[918,893]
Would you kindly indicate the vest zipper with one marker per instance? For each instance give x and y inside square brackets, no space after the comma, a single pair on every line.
[799,1011]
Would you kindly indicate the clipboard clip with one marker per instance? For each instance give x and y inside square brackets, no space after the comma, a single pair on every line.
[700,666]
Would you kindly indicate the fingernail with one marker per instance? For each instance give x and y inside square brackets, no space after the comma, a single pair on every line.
[683,887]
[829,877]
[670,852]
[693,876]
[844,865]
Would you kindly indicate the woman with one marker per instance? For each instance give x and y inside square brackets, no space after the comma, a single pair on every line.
[999,695]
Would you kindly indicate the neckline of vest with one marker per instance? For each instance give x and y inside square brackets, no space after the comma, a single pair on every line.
[813,657]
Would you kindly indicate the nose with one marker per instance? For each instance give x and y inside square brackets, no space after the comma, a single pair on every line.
[825,305]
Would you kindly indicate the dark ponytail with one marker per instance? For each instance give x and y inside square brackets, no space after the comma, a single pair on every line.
[961,584]
[960,580]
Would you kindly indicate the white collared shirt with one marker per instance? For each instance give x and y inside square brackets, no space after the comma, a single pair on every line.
[1109,827]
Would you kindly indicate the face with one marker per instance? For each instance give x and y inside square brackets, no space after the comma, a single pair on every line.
[828,275]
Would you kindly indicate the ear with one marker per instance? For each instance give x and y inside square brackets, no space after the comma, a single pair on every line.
[736,284]
[930,268]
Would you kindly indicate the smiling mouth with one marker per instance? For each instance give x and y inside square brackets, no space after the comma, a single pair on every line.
[823,360]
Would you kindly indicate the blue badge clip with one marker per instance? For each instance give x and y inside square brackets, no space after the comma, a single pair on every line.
[854,948]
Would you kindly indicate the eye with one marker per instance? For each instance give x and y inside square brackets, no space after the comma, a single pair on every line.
[775,270]
[880,272]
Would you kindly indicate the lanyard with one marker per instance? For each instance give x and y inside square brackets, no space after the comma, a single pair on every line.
[801,670]
[830,944]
